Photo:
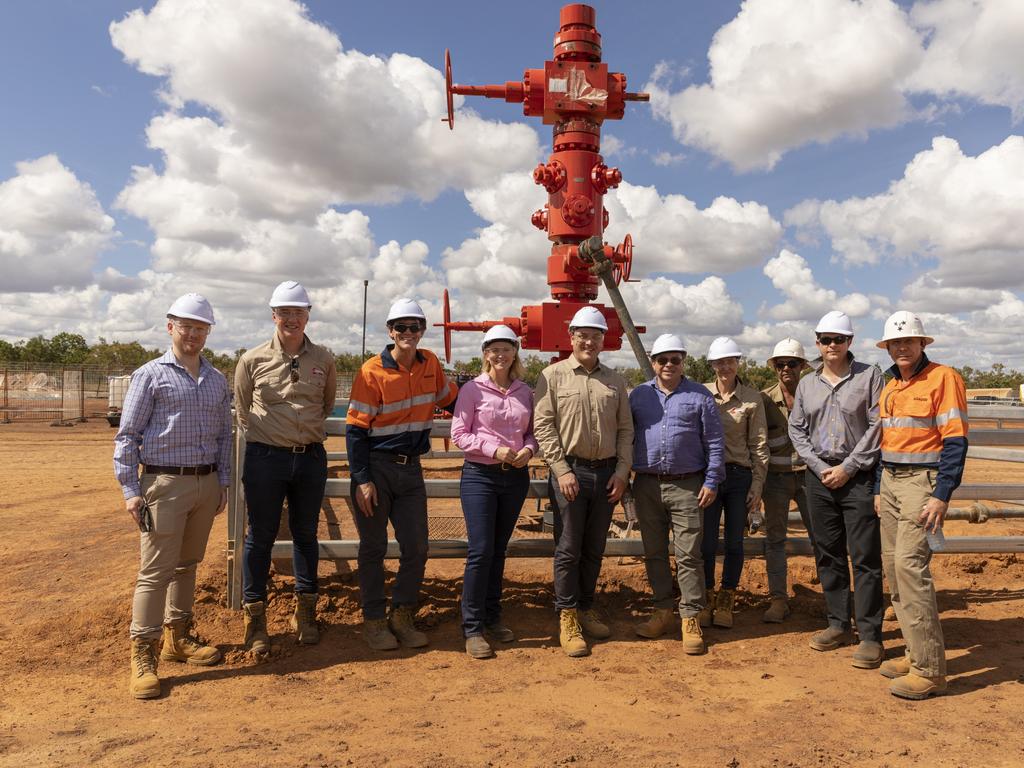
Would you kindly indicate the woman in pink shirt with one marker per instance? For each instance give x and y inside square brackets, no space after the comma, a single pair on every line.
[493,425]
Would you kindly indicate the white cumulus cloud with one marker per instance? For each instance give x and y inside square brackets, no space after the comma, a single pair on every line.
[805,298]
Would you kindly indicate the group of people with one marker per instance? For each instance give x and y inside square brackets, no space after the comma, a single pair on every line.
[871,467]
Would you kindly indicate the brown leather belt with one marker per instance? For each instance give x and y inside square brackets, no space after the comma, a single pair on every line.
[668,478]
[202,469]
[574,461]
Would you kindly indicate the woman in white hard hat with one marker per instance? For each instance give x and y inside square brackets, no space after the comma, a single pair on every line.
[746,464]
[493,424]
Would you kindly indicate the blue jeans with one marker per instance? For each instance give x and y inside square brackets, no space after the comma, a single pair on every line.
[581,533]
[492,499]
[732,497]
[270,476]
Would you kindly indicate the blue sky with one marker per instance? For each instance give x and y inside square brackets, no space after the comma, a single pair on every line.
[860,155]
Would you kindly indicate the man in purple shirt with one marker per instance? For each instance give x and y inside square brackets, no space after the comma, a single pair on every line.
[176,425]
[678,457]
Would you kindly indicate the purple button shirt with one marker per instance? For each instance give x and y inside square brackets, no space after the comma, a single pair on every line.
[487,419]
[169,419]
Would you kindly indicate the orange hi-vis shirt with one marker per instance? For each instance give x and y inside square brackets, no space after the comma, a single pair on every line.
[924,423]
[392,408]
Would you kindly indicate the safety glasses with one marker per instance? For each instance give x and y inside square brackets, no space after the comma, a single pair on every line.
[411,328]
[826,341]
[666,360]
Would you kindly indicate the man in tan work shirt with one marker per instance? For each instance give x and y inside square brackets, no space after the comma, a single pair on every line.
[584,426]
[284,390]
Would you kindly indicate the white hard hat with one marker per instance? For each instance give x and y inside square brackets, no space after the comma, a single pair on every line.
[589,317]
[723,347]
[835,322]
[788,348]
[192,306]
[405,308]
[667,342]
[290,294]
[499,333]
[903,325]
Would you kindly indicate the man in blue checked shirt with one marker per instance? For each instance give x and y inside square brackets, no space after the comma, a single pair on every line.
[678,458]
[176,427]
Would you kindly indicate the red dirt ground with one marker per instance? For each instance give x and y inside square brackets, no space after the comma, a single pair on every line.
[760,697]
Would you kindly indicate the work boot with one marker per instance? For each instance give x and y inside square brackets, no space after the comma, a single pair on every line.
[256,638]
[894,668]
[304,619]
[656,625]
[724,602]
[478,648]
[592,625]
[571,634]
[182,645]
[913,686]
[777,611]
[890,613]
[707,613]
[868,655]
[143,683]
[830,638]
[693,638]
[401,623]
[499,632]
[378,636]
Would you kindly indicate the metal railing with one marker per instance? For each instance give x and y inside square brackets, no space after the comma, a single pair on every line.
[347,549]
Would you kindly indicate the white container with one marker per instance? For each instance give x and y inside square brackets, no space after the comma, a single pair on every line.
[117,388]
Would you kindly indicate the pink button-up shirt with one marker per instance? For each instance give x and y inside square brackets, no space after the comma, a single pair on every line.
[487,419]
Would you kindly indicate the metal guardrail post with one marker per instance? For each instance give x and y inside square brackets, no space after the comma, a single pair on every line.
[236,521]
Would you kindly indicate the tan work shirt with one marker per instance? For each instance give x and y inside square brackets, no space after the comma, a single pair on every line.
[582,414]
[273,409]
[784,457]
[746,431]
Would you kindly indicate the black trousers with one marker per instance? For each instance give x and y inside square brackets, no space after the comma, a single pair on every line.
[845,525]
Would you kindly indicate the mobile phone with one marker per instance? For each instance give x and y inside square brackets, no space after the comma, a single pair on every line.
[145,518]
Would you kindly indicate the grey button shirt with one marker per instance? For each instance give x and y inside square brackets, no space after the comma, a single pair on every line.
[840,423]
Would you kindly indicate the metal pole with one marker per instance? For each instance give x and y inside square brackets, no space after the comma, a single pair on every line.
[7,378]
[366,284]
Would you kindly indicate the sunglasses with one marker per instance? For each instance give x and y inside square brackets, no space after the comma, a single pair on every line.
[293,370]
[837,340]
[788,364]
[403,328]
[663,360]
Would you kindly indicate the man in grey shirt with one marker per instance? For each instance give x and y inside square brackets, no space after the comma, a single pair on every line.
[834,428]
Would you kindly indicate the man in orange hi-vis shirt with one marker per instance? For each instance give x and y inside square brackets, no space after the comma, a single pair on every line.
[923,411]
[390,415]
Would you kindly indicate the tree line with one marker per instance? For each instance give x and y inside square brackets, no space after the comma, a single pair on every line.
[72,349]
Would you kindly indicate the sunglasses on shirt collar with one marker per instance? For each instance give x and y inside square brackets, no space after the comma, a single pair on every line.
[293,370]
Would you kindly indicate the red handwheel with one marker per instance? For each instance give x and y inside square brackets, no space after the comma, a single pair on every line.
[448,90]
[447,315]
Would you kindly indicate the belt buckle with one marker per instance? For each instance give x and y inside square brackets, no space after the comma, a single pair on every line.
[299,448]
[401,458]
[505,467]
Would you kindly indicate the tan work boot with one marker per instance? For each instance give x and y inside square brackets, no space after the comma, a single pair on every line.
[777,611]
[401,623]
[890,613]
[894,668]
[707,613]
[304,619]
[592,625]
[256,638]
[868,655]
[914,687]
[143,683]
[378,636]
[830,638]
[478,648]
[657,624]
[571,634]
[725,600]
[693,638]
[182,645]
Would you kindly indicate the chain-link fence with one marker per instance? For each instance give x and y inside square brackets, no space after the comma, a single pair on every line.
[51,392]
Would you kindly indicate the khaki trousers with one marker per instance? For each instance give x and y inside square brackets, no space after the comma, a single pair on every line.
[905,558]
[183,508]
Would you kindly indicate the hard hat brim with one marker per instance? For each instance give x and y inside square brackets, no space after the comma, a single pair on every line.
[190,316]
[302,304]
[884,343]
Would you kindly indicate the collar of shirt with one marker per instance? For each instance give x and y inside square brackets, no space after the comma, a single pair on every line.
[275,344]
[576,365]
[894,370]
[169,358]
[387,360]
[684,385]
[713,389]
[484,380]
[819,371]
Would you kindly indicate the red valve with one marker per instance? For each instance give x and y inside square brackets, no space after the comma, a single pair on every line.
[604,178]
[540,218]
[577,210]
[551,176]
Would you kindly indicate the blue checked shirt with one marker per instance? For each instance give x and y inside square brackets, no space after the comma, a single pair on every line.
[170,419]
